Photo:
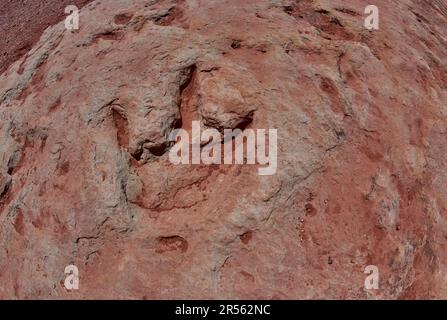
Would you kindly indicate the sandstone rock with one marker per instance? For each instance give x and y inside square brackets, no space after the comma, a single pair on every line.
[85,177]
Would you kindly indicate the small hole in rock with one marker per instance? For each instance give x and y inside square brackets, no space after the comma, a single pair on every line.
[158,150]
[236,44]
[137,154]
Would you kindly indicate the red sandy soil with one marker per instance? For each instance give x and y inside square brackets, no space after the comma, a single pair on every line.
[22,23]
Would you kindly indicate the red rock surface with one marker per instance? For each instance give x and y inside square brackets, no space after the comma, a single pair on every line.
[361,116]
[22,23]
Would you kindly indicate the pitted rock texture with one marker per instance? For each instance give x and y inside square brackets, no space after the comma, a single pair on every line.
[22,23]
[85,176]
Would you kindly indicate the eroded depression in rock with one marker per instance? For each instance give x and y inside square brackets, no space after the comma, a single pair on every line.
[91,114]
